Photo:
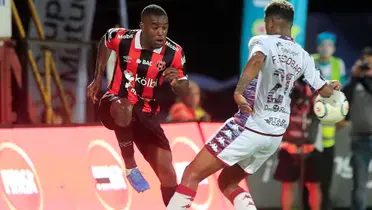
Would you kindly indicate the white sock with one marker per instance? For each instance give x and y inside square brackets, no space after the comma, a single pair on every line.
[244,201]
[182,198]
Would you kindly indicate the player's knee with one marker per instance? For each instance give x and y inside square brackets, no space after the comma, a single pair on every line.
[121,112]
[167,174]
[223,184]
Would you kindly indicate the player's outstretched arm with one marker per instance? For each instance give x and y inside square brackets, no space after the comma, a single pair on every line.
[102,57]
[251,70]
[314,78]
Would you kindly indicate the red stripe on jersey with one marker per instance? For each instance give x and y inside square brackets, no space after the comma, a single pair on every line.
[117,78]
[152,73]
[134,54]
[178,63]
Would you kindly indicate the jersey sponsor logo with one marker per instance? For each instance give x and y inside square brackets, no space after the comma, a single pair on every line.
[170,45]
[147,82]
[276,108]
[126,36]
[107,170]
[129,76]
[144,62]
[277,122]
[290,52]
[111,34]
[127,59]
[19,177]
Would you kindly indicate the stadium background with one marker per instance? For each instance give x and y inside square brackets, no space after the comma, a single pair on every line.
[48,163]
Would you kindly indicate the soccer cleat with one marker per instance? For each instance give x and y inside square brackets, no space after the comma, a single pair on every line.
[137,181]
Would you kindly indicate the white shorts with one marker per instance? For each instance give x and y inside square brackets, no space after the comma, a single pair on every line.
[234,144]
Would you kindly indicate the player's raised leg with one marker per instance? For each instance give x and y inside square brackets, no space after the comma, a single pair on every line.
[219,151]
[228,182]
[116,114]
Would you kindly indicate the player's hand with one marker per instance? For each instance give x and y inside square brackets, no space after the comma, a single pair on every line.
[336,84]
[245,108]
[242,103]
[93,88]
[171,75]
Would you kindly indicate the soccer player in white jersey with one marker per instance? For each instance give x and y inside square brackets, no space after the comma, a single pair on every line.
[248,139]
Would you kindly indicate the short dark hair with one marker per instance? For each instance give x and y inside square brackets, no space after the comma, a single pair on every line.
[281,9]
[153,9]
[367,51]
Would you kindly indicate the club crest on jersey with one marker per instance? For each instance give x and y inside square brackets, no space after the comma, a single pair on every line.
[160,65]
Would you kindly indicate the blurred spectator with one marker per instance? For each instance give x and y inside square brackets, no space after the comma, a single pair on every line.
[297,155]
[58,117]
[188,108]
[359,95]
[332,68]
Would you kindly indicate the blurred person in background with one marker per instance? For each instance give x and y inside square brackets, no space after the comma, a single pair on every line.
[359,94]
[188,107]
[332,68]
[297,151]
[58,117]
[145,58]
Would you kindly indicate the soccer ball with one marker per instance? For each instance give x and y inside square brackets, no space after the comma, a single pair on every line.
[333,109]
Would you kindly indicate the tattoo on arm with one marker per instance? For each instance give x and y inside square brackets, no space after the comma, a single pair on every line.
[242,84]
[250,72]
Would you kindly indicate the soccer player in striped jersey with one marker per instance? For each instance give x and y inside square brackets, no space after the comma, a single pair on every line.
[145,58]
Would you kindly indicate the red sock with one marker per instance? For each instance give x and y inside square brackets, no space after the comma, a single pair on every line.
[242,200]
[182,199]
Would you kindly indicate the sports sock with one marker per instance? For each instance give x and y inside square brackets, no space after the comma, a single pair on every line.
[167,193]
[242,200]
[126,147]
[182,198]
[127,171]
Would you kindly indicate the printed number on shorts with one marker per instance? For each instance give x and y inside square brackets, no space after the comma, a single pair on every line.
[276,94]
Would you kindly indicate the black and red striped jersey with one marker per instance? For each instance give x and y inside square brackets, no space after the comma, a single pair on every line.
[139,72]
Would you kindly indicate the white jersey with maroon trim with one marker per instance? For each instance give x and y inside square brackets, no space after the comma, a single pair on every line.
[268,94]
